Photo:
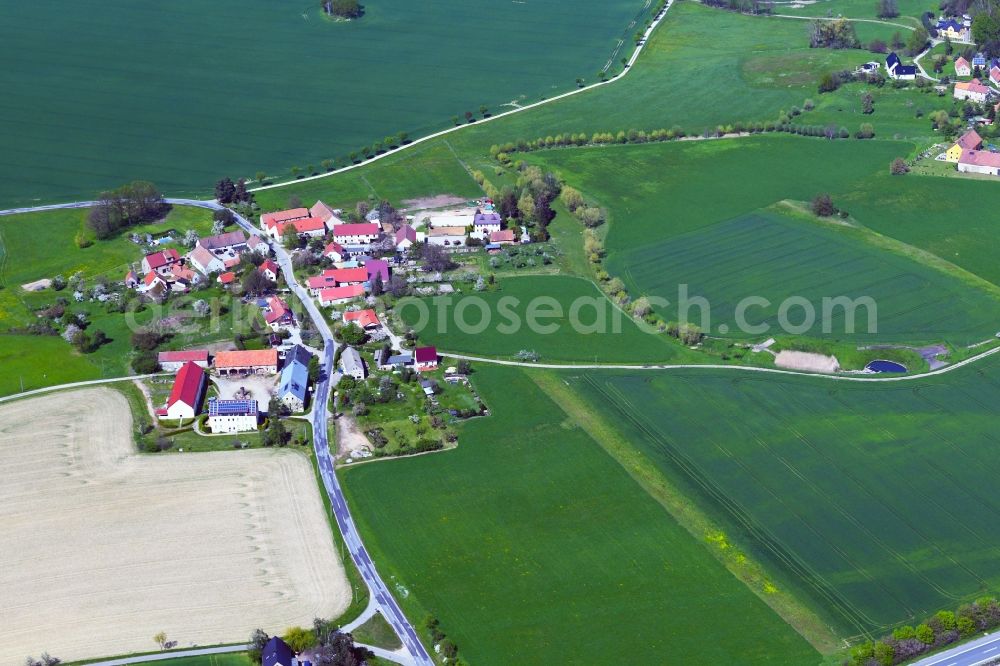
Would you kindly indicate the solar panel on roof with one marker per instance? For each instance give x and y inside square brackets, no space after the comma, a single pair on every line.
[231,407]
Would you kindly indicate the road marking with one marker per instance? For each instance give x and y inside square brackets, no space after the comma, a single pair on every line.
[990,649]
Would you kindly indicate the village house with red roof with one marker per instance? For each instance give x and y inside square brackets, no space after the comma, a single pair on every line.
[185,396]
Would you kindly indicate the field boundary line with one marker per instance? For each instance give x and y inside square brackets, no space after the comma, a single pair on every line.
[503,114]
[716,366]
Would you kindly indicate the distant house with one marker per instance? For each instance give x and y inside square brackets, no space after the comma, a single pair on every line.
[366,319]
[185,396]
[363,233]
[247,361]
[447,236]
[995,75]
[486,223]
[972,90]
[160,262]
[276,653]
[206,261]
[962,67]
[979,60]
[335,252]
[227,278]
[968,141]
[153,285]
[897,70]
[504,237]
[232,416]
[131,280]
[294,383]
[270,270]
[351,363]
[425,359]
[386,360]
[953,30]
[257,244]
[979,161]
[406,236]
[428,386]
[313,227]
[325,213]
[269,221]
[232,240]
[340,295]
[379,268]
[172,361]
[277,314]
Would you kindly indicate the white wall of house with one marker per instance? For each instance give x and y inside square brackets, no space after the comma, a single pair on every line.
[976,168]
[244,423]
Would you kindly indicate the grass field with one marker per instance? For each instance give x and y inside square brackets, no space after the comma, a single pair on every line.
[875,499]
[281,86]
[227,659]
[531,545]
[779,257]
[614,338]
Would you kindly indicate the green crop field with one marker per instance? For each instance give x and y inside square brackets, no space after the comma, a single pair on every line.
[604,334]
[875,499]
[185,94]
[779,257]
[532,546]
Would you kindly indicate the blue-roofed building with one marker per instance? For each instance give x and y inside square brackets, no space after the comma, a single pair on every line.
[298,353]
[294,385]
[979,60]
[232,415]
[897,70]
[276,653]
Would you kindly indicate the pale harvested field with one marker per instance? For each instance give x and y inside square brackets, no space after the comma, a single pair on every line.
[101,548]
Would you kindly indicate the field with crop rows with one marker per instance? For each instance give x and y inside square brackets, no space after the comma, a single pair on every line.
[876,500]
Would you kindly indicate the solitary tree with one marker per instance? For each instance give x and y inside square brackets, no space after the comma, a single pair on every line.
[822,205]
[483,111]
[161,639]
[469,116]
[867,107]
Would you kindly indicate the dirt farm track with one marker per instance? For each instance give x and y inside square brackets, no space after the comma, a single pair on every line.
[101,548]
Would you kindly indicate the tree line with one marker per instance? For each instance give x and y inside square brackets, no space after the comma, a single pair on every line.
[943,628]
[134,203]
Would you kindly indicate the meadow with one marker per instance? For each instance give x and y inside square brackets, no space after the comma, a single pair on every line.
[873,500]
[531,545]
[42,245]
[777,257]
[186,95]
[606,335]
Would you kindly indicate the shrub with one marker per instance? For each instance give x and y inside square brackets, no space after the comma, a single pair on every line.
[822,205]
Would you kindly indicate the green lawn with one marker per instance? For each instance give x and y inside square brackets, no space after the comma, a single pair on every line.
[531,545]
[206,90]
[376,631]
[424,170]
[874,500]
[597,332]
[779,257]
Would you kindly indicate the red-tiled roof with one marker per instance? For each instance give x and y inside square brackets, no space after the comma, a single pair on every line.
[334,247]
[980,158]
[321,210]
[502,236]
[277,310]
[243,358]
[269,265]
[359,229]
[337,293]
[162,258]
[347,275]
[970,140]
[183,356]
[227,278]
[406,232]
[271,219]
[304,225]
[363,318]
[151,277]
[320,282]
[425,354]
[187,385]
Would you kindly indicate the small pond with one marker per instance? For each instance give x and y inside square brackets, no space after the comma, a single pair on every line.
[885,366]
